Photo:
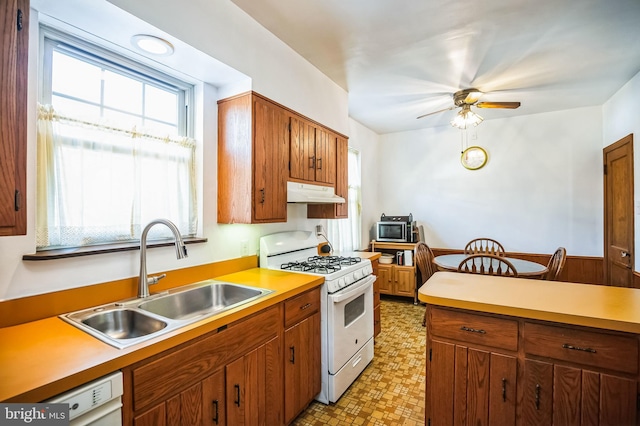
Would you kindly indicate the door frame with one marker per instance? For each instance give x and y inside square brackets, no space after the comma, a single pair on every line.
[606,237]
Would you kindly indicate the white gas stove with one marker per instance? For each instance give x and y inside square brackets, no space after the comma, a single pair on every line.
[346,311]
[297,251]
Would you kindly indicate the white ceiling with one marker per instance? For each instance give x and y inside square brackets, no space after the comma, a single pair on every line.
[402,59]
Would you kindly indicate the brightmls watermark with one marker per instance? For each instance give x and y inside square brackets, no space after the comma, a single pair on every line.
[42,414]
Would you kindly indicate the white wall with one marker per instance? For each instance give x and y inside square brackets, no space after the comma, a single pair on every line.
[620,114]
[223,31]
[541,188]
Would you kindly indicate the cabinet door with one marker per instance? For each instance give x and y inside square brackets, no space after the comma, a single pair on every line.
[405,280]
[582,397]
[254,390]
[271,159]
[213,399]
[14,28]
[502,390]
[342,177]
[302,366]
[325,156]
[537,400]
[440,383]
[385,278]
[183,409]
[302,150]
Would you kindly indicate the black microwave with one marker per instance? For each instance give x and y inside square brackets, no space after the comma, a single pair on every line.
[400,232]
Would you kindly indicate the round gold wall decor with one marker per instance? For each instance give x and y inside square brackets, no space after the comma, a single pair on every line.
[474,158]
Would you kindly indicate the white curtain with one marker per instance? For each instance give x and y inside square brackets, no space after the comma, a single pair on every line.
[97,183]
[345,234]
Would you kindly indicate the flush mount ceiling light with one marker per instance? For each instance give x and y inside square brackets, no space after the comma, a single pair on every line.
[465,117]
[152,44]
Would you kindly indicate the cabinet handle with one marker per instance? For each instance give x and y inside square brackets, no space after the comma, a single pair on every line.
[319,163]
[292,357]
[237,401]
[473,330]
[19,24]
[307,306]
[578,348]
[262,196]
[215,411]
[312,162]
[537,396]
[504,389]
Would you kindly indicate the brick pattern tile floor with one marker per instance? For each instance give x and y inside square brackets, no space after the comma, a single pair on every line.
[390,391]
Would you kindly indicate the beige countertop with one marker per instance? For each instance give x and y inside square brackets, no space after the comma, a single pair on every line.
[611,308]
[43,358]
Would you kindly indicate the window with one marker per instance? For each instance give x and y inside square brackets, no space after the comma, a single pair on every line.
[114,150]
[345,234]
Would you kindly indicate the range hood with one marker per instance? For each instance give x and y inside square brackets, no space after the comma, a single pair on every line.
[311,194]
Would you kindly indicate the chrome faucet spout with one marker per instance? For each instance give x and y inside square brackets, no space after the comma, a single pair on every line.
[181,252]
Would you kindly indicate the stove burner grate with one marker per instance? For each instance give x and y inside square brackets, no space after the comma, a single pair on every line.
[320,264]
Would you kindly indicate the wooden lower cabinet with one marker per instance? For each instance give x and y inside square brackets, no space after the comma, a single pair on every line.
[470,386]
[302,353]
[254,388]
[302,366]
[564,395]
[397,280]
[485,369]
[241,374]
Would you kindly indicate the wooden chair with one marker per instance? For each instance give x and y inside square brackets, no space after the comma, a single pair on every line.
[487,264]
[556,264]
[484,245]
[424,262]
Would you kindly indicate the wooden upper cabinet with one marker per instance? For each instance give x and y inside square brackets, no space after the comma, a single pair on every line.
[336,211]
[14,27]
[253,142]
[302,150]
[312,153]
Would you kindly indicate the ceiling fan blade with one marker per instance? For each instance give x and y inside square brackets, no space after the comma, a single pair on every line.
[508,105]
[436,112]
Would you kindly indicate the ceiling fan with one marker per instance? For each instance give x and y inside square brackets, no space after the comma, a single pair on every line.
[464,99]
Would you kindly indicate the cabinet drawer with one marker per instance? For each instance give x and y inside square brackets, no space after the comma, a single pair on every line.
[300,307]
[479,329]
[587,347]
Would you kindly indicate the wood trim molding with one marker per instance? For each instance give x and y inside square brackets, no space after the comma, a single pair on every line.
[32,308]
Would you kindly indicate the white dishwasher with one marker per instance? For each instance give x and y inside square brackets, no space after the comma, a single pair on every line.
[98,403]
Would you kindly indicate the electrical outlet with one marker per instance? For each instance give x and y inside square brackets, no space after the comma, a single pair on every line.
[318,230]
[244,248]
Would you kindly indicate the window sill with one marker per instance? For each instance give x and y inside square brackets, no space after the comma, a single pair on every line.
[106,248]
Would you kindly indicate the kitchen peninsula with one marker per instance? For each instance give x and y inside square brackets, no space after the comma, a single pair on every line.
[517,351]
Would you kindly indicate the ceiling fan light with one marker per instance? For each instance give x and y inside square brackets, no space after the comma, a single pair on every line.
[465,117]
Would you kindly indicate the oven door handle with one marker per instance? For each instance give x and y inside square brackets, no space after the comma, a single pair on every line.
[357,288]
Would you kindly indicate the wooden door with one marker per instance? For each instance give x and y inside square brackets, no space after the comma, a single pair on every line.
[254,387]
[183,409]
[213,399]
[302,366]
[271,159]
[537,399]
[14,44]
[618,213]
[342,176]
[502,389]
[405,280]
[440,384]
[385,279]
[325,157]
[302,150]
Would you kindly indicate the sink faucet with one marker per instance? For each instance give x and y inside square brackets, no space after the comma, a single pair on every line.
[181,252]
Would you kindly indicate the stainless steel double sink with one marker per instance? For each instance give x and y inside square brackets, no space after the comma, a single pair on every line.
[132,321]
